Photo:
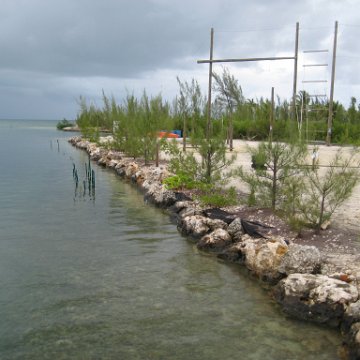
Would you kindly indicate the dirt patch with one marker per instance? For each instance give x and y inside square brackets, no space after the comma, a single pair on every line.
[333,239]
[340,246]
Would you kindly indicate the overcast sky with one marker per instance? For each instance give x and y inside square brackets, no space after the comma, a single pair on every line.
[53,51]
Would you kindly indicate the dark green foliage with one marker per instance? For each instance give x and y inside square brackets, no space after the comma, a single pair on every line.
[229,99]
[180,182]
[274,163]
[182,164]
[189,107]
[63,124]
[326,192]
[218,197]
[214,160]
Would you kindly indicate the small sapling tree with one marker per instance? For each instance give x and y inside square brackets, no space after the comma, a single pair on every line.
[326,192]
[273,164]
[229,97]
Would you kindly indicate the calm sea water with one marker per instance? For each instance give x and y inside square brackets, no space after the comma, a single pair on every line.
[101,275]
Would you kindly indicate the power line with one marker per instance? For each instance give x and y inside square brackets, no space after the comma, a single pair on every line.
[250,30]
[350,25]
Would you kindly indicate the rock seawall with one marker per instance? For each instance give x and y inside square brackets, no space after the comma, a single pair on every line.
[305,288]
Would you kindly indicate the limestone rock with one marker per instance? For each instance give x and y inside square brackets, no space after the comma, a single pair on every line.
[139,177]
[115,155]
[112,163]
[102,161]
[197,225]
[301,259]
[104,140]
[351,316]
[120,170]
[233,253]
[263,257]
[95,154]
[131,169]
[189,211]
[216,240]
[157,194]
[157,174]
[181,205]
[316,298]
[235,229]
[353,342]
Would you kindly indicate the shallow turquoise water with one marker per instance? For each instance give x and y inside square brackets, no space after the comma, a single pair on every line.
[104,276]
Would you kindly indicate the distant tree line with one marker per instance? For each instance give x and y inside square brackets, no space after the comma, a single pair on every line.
[232,114]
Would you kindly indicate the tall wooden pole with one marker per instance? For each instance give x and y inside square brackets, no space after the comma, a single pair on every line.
[208,127]
[271,115]
[331,100]
[293,113]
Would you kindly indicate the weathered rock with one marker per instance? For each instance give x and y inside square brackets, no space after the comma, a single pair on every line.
[115,155]
[216,240]
[233,253]
[198,226]
[180,196]
[301,259]
[235,229]
[104,140]
[112,163]
[102,161]
[263,257]
[95,154]
[139,177]
[194,226]
[158,195]
[353,342]
[120,170]
[317,298]
[181,205]
[83,144]
[190,211]
[351,316]
[131,169]
[182,209]
[325,225]
[157,174]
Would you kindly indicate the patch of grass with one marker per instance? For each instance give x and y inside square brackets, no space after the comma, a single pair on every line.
[179,182]
[219,197]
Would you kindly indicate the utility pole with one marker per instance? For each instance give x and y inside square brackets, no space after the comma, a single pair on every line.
[295,71]
[331,101]
[211,61]
[271,115]
[208,127]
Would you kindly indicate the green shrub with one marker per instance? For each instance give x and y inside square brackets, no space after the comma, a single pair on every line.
[179,182]
[219,198]
[63,124]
